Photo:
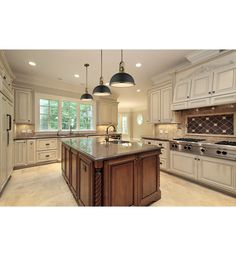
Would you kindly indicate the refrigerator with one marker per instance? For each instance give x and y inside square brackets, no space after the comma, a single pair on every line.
[6,138]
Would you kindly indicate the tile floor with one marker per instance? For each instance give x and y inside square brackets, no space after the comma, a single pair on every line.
[45,186]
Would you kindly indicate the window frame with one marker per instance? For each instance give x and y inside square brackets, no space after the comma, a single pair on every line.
[39,96]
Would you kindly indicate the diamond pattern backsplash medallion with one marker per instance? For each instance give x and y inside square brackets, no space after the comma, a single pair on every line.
[212,124]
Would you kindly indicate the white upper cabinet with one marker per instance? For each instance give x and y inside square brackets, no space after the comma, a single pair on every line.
[166,100]
[23,106]
[155,111]
[201,86]
[224,80]
[182,91]
[107,112]
[160,100]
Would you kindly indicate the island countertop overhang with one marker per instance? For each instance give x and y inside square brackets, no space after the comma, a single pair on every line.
[97,150]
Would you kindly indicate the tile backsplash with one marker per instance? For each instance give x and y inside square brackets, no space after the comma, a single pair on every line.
[211,124]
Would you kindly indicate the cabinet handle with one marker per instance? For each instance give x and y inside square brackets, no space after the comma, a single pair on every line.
[213,91]
[4,77]
[47,144]
[209,92]
[160,144]
[160,162]
[47,155]
[187,97]
[195,158]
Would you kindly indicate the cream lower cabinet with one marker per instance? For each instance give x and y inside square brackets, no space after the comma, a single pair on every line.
[31,148]
[217,172]
[183,164]
[20,153]
[214,172]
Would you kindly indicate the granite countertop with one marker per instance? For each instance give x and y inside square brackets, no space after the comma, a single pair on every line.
[98,149]
[50,136]
[154,138]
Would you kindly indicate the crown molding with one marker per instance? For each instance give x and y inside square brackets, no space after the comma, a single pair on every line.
[5,64]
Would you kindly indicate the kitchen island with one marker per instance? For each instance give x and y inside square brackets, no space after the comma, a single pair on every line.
[101,173]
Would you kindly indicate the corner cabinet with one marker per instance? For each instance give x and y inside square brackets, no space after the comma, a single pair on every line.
[159,100]
[23,106]
[107,112]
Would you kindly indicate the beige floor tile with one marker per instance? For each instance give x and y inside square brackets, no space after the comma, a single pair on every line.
[45,186]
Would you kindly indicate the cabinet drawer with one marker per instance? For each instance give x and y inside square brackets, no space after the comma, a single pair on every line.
[162,163]
[44,156]
[163,153]
[43,144]
[164,144]
[179,106]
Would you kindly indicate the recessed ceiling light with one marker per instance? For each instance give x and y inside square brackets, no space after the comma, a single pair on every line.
[138,90]
[31,63]
[76,75]
[138,65]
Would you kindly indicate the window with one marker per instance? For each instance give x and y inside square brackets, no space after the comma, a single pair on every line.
[69,115]
[55,113]
[86,117]
[48,114]
[123,123]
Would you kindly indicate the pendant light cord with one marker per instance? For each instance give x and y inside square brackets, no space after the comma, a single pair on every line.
[121,55]
[122,64]
[86,66]
[101,63]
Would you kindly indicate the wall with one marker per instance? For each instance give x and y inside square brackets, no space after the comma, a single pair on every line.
[143,129]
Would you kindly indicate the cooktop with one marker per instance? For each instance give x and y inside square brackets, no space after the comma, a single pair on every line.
[189,139]
[227,143]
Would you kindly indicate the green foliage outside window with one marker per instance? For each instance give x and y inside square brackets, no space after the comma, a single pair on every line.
[86,117]
[69,115]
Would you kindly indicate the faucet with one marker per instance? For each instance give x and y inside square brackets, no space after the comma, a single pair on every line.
[71,132]
[107,131]
[58,132]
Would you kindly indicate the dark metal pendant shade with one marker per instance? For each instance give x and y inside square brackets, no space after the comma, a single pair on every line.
[122,79]
[101,90]
[86,96]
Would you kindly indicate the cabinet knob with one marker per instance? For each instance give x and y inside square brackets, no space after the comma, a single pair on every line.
[187,97]
[213,91]
[209,92]
[5,77]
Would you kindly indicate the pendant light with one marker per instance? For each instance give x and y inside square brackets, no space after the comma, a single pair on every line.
[101,89]
[86,96]
[122,79]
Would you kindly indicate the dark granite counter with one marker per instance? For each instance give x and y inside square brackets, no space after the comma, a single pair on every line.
[50,136]
[98,149]
[154,138]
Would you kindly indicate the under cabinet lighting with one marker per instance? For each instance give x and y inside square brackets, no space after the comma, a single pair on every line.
[76,75]
[138,65]
[138,90]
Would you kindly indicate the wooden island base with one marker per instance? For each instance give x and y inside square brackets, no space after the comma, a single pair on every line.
[132,180]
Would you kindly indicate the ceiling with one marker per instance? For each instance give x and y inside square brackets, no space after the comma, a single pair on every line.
[60,66]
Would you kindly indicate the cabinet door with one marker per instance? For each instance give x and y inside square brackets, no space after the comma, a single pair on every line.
[166,100]
[183,164]
[23,106]
[218,173]
[63,158]
[155,106]
[74,171]
[67,164]
[20,153]
[148,176]
[31,152]
[120,177]
[224,80]
[85,189]
[201,86]
[182,91]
